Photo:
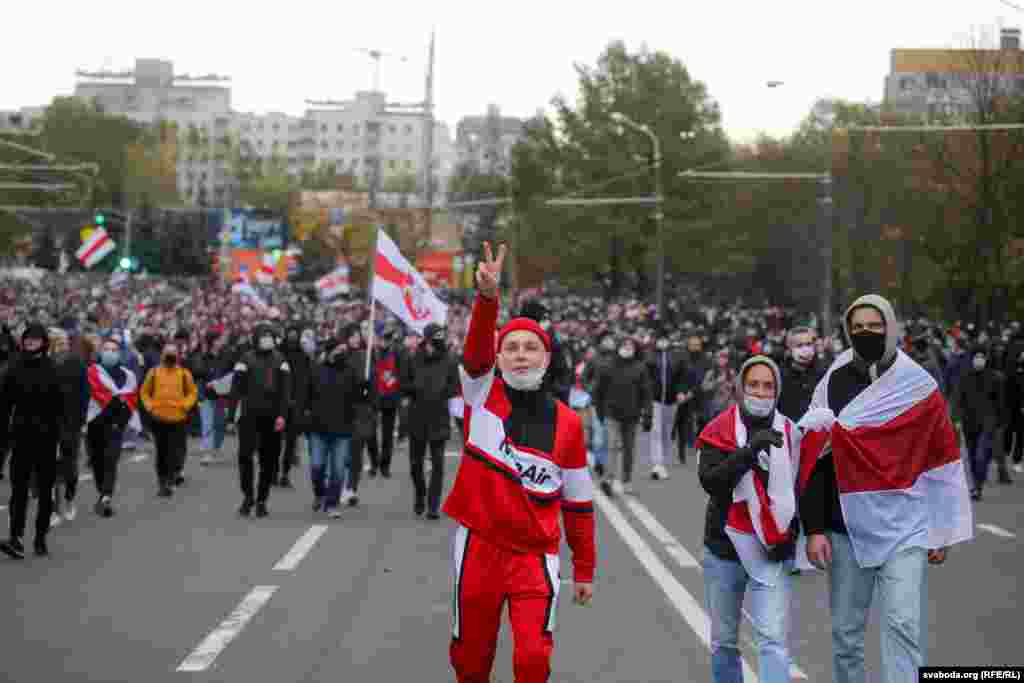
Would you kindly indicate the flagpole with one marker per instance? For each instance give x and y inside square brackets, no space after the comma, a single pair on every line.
[373,305]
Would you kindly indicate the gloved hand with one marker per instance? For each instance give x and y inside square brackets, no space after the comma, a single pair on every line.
[763,439]
[364,390]
[646,422]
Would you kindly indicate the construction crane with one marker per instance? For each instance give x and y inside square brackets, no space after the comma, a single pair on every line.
[376,56]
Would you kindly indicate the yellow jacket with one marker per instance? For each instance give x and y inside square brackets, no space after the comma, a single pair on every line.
[169,393]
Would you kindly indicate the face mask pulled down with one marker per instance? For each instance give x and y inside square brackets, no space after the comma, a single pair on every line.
[525,380]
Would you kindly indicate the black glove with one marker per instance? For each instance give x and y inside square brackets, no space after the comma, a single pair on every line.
[364,390]
[763,439]
[646,422]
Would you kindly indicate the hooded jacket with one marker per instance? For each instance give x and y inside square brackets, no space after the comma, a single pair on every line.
[819,505]
[31,400]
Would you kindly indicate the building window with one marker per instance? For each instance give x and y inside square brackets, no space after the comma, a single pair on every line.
[341,128]
[934,81]
[276,127]
[408,129]
[906,83]
[355,163]
[392,129]
[355,129]
[323,145]
[323,127]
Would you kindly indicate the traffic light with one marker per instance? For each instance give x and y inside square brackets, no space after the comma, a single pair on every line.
[126,263]
[100,220]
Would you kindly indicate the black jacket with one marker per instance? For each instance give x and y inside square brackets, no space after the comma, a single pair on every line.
[719,474]
[819,504]
[366,409]
[666,365]
[31,400]
[263,383]
[72,373]
[559,378]
[798,384]
[623,391]
[979,400]
[430,382]
[302,369]
[331,396]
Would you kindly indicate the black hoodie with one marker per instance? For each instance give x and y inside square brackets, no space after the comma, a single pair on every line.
[31,400]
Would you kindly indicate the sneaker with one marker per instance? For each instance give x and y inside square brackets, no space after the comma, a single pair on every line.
[40,547]
[353,500]
[599,470]
[261,509]
[70,511]
[659,473]
[179,479]
[1019,468]
[976,494]
[367,467]
[433,516]
[318,504]
[372,474]
[1004,477]
[334,513]
[286,482]
[385,473]
[419,508]
[55,520]
[165,491]
[346,496]
[104,507]
[606,486]
[13,548]
[246,509]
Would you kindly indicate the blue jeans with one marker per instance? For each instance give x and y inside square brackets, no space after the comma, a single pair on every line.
[901,588]
[725,583]
[599,436]
[979,453]
[329,456]
[211,415]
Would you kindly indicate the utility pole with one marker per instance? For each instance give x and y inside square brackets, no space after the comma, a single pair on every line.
[827,229]
[428,140]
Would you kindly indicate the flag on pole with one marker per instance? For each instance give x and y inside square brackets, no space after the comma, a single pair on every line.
[95,248]
[334,283]
[401,288]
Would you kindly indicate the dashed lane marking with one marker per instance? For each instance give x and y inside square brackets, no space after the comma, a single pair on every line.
[997,530]
[204,655]
[680,598]
[301,548]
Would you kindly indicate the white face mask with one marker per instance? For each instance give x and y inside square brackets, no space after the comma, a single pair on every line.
[626,353]
[526,380]
[662,345]
[758,407]
[266,343]
[979,363]
[804,353]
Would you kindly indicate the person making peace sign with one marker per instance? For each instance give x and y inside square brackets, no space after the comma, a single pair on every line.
[524,461]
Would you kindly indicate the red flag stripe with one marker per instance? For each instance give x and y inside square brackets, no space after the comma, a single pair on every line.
[384,269]
[96,246]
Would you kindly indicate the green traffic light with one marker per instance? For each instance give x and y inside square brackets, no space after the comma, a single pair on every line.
[126,263]
[100,219]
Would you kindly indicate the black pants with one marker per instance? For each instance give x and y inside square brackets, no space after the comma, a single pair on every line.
[70,449]
[1013,439]
[258,434]
[104,446]
[170,439]
[417,452]
[388,415]
[34,456]
[355,464]
[291,440]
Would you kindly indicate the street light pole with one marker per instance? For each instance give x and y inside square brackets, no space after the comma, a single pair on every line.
[659,215]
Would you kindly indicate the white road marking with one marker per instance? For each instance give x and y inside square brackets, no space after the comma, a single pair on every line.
[672,545]
[204,655]
[997,530]
[682,556]
[685,604]
[302,546]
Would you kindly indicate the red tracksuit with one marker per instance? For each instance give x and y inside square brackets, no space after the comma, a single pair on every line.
[523,464]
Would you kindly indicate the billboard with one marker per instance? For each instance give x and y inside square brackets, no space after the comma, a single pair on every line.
[249,228]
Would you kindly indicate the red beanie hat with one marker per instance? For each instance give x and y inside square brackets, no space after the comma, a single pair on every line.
[528,325]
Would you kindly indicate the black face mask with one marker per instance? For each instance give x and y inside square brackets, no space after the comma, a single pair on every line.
[869,346]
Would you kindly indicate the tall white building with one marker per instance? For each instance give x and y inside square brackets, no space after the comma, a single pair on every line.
[355,134]
[484,143]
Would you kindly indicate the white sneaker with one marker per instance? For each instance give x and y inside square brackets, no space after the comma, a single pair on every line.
[346,495]
[659,473]
[618,488]
[367,467]
[1019,468]
[70,512]
[55,520]
[335,513]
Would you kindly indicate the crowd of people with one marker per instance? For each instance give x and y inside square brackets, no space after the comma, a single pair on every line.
[112,365]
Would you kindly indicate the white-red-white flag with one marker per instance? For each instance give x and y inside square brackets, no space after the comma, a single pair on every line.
[337,282]
[96,248]
[401,288]
[897,460]
[267,269]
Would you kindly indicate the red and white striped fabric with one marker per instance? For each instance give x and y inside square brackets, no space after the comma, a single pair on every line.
[267,270]
[897,459]
[402,289]
[102,389]
[760,515]
[96,248]
[334,283]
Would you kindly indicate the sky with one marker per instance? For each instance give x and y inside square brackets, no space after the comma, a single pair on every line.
[517,55]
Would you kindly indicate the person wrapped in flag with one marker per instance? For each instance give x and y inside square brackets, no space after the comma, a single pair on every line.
[748,454]
[524,465]
[882,492]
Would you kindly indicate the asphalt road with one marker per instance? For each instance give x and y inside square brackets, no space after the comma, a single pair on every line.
[184,590]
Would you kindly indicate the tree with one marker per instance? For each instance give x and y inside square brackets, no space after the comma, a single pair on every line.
[581,150]
[403,183]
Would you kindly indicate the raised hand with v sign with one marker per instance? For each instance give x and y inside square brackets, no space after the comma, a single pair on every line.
[488,273]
